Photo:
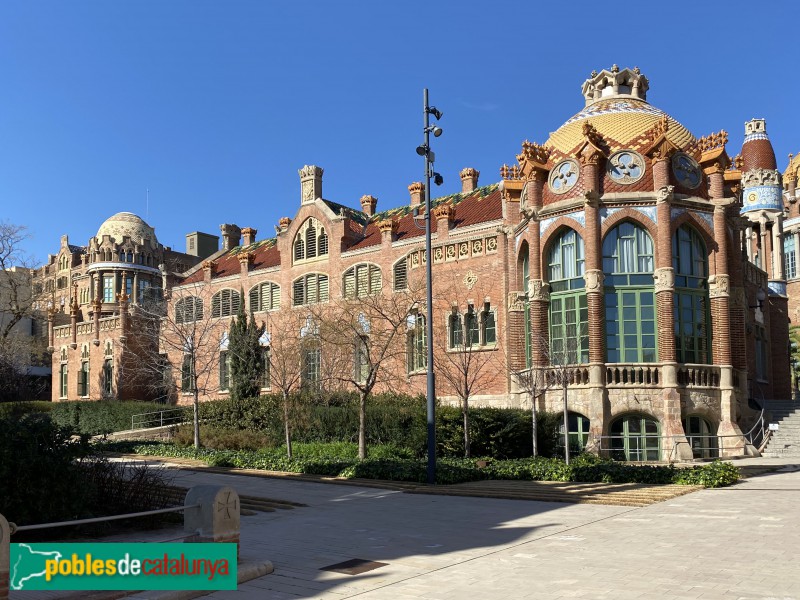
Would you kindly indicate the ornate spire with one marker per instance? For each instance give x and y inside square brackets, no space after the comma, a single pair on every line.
[623,83]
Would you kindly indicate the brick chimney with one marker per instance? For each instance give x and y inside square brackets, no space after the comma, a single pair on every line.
[444,215]
[417,190]
[469,180]
[388,230]
[248,236]
[368,204]
[231,236]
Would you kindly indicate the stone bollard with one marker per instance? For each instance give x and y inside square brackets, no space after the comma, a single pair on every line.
[217,518]
[5,554]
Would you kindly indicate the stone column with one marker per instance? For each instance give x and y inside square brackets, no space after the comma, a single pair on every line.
[135,288]
[766,255]
[777,248]
[217,519]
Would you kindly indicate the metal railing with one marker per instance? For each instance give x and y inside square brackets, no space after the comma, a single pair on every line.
[714,445]
[146,513]
[173,416]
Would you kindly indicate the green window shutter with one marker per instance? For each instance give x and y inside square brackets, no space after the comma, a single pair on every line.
[350,283]
[323,288]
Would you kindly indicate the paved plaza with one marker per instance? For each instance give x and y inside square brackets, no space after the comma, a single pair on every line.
[741,542]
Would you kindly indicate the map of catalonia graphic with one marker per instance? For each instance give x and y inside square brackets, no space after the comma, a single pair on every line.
[29,564]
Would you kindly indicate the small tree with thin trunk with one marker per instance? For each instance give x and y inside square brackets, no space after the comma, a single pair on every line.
[284,366]
[183,339]
[533,382]
[364,332]
[467,359]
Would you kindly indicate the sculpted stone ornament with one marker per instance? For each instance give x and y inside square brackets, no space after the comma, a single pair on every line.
[718,286]
[470,279]
[738,297]
[516,301]
[664,279]
[539,290]
[755,177]
[594,280]
[665,194]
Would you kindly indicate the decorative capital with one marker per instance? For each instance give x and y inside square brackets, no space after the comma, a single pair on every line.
[664,279]
[719,286]
[516,301]
[594,280]
[665,194]
[539,290]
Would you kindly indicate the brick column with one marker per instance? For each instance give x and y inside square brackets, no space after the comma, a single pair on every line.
[516,331]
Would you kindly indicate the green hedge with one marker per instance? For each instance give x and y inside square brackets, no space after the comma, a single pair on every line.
[98,417]
[391,419]
[16,410]
[385,463]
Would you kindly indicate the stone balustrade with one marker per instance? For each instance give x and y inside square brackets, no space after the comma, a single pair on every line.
[633,375]
[698,376]
[109,323]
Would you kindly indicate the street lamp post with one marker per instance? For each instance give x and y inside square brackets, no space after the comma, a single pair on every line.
[426,152]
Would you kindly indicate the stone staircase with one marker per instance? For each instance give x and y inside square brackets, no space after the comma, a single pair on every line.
[785,443]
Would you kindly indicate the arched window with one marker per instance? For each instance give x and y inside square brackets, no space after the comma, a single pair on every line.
[311,241]
[569,314]
[523,277]
[225,303]
[265,296]
[417,347]
[310,289]
[629,295]
[691,310]
[400,272]
[702,437]
[362,280]
[188,309]
[456,330]
[578,433]
[635,438]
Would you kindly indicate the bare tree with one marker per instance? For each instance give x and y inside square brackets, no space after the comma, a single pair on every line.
[365,334]
[285,363]
[467,358]
[179,337]
[533,382]
[21,304]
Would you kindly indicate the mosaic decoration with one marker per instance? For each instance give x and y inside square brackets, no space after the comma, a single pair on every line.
[578,216]
[762,197]
[686,170]
[777,287]
[648,211]
[708,218]
[564,176]
[626,167]
[611,108]
[755,136]
[676,212]
[607,212]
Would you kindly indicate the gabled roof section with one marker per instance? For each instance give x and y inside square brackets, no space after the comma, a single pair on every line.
[73,248]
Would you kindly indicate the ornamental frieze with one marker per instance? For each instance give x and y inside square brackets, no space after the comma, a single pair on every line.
[457,251]
[664,279]
[516,301]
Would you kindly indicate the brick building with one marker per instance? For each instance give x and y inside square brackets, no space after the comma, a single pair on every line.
[624,256]
[91,292]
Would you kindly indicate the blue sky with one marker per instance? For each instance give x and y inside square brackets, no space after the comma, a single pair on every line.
[213,106]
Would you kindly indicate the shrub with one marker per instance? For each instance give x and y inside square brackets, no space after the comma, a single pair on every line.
[100,417]
[16,410]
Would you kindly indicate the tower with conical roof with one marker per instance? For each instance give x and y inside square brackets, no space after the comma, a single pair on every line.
[762,203]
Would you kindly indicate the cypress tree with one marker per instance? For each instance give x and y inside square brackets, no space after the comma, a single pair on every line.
[246,356]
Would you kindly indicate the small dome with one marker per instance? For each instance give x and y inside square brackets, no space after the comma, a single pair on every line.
[127,224]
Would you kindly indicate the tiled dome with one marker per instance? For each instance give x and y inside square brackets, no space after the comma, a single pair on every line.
[127,224]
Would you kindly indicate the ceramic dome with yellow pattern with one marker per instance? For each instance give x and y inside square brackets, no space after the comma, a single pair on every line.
[617,108]
[126,224]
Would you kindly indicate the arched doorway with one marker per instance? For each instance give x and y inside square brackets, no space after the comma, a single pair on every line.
[635,438]
[702,437]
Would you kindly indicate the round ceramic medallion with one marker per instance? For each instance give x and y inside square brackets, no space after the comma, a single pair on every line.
[564,176]
[625,166]
[686,170]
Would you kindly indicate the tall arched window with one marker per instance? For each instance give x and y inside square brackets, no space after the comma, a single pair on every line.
[265,296]
[569,315]
[188,309]
[416,342]
[225,303]
[690,262]
[311,241]
[523,276]
[362,280]
[310,289]
[629,295]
